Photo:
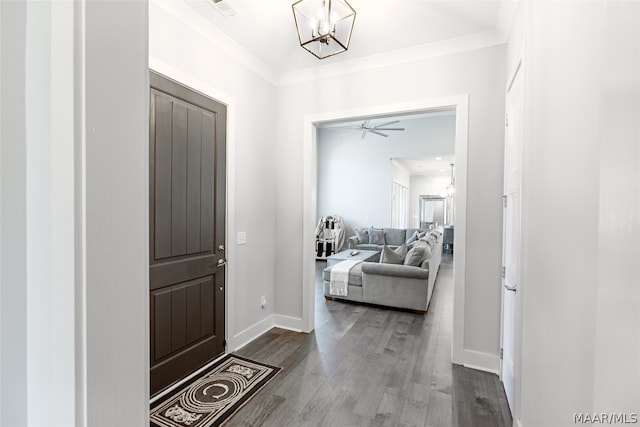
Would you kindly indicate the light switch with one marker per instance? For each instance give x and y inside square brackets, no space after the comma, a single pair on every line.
[242,237]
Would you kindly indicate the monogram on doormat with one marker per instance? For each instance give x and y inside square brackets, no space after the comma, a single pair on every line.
[214,395]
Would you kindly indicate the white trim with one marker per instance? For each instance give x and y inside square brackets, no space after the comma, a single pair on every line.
[460,236]
[481,361]
[80,212]
[287,322]
[400,56]
[185,379]
[230,248]
[251,333]
[309,159]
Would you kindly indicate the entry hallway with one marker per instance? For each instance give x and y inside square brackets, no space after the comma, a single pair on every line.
[370,366]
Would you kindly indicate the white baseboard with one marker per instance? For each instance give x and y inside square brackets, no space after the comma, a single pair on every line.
[243,338]
[287,322]
[482,361]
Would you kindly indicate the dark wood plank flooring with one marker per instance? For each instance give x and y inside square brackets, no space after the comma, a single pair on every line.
[371,366]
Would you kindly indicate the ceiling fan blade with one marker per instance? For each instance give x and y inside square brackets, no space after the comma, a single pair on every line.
[378,133]
[356,127]
[385,124]
[377,128]
[366,124]
[364,132]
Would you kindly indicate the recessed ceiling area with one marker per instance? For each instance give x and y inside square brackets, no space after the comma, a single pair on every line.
[266,29]
[428,166]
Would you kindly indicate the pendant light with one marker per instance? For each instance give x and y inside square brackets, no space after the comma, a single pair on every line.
[324,26]
[451,188]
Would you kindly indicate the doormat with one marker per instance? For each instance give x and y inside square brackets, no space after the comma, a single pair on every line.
[214,395]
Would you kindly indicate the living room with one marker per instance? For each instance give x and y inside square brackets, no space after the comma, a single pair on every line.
[584,311]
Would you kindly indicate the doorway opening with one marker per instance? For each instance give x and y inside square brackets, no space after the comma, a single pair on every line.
[459,103]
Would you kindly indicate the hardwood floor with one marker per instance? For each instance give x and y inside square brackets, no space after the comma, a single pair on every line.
[371,366]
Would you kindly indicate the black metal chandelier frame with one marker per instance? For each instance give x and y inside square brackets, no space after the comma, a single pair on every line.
[325,31]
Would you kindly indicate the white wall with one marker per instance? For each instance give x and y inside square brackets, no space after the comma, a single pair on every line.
[116,185]
[479,73]
[181,47]
[424,185]
[74,263]
[13,222]
[354,174]
[581,327]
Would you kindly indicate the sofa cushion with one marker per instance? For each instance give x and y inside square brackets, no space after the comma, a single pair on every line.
[393,256]
[430,239]
[394,236]
[355,275]
[363,235]
[368,247]
[376,236]
[416,255]
[394,270]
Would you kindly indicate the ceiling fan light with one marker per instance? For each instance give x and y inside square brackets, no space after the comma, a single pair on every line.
[324,26]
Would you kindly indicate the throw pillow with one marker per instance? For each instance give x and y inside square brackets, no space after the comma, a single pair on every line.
[412,238]
[393,256]
[416,255]
[363,235]
[376,237]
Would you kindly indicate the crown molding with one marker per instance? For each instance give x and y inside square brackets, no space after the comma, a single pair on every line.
[187,15]
[401,56]
[190,17]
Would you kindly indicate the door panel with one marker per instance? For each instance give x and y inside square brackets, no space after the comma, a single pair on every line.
[187,230]
[512,235]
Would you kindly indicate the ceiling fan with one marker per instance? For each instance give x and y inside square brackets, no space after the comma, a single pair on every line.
[377,129]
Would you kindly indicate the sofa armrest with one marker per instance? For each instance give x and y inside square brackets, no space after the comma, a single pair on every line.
[395,270]
[353,241]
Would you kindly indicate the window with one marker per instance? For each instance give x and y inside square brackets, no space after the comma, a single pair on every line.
[399,199]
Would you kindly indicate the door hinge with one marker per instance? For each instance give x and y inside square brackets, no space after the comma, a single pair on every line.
[501,353]
[506,120]
[504,200]
[224,344]
[504,272]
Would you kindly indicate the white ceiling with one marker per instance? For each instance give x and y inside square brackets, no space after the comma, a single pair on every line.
[266,28]
[433,166]
[436,165]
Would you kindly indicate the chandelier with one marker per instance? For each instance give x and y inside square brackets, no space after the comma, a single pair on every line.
[324,26]
[451,188]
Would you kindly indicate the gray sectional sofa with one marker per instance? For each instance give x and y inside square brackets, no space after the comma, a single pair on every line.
[394,285]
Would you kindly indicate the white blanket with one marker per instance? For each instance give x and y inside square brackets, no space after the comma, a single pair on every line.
[340,277]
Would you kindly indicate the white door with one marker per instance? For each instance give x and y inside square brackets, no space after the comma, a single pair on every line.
[511,243]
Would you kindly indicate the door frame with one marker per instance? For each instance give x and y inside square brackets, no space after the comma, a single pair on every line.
[461,104]
[230,250]
[518,68]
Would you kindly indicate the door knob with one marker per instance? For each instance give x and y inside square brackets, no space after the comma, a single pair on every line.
[221,248]
[221,262]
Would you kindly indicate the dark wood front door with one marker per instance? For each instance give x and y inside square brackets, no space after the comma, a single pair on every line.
[187,230]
